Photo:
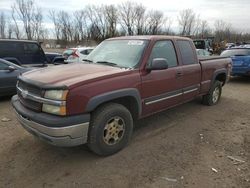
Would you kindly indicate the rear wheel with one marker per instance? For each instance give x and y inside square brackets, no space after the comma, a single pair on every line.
[214,94]
[110,130]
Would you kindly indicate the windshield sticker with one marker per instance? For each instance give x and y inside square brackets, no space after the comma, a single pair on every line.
[135,42]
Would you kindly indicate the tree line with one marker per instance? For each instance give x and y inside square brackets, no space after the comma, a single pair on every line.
[98,22]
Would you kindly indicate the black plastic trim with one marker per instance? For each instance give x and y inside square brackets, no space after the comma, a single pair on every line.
[41,85]
[100,99]
[217,72]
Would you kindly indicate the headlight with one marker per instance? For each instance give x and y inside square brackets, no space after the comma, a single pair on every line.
[56,94]
[57,110]
[59,96]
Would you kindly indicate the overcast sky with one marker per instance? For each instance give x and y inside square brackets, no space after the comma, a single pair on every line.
[235,12]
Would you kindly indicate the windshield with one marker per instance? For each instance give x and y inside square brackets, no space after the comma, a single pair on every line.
[121,53]
[235,52]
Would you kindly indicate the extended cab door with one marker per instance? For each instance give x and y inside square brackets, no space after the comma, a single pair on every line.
[161,89]
[191,70]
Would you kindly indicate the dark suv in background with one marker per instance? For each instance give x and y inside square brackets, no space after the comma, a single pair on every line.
[22,52]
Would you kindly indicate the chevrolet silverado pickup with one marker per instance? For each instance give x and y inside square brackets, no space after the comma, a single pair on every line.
[124,79]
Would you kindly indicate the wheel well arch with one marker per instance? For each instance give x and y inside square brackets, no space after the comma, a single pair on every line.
[222,77]
[129,102]
[129,98]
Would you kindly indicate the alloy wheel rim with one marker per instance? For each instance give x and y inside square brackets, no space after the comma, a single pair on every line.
[216,94]
[114,130]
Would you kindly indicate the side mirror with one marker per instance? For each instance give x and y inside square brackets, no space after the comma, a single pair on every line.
[158,64]
[11,68]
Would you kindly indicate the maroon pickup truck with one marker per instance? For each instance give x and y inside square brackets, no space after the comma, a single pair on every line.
[122,80]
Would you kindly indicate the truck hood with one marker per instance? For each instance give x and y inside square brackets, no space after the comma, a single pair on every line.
[68,75]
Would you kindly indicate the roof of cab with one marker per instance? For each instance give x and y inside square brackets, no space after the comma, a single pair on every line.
[149,37]
[16,40]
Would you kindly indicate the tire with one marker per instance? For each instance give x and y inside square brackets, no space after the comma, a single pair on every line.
[110,129]
[214,94]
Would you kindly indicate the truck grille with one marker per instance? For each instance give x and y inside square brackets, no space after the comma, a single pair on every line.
[33,105]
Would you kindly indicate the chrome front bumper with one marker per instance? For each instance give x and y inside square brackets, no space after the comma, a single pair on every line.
[64,136]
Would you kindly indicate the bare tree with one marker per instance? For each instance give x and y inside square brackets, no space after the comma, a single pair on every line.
[37,24]
[127,17]
[54,19]
[16,28]
[111,17]
[99,21]
[140,19]
[155,22]
[31,17]
[204,29]
[66,26]
[44,34]
[24,11]
[80,24]
[186,21]
[222,30]
[167,27]
[2,25]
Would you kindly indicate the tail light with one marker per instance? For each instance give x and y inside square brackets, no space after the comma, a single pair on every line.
[75,54]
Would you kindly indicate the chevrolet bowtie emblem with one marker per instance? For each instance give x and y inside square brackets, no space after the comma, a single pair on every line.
[24,93]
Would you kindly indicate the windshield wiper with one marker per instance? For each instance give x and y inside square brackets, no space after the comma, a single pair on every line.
[107,63]
[87,60]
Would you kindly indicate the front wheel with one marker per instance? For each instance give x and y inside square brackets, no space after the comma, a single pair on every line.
[110,130]
[214,94]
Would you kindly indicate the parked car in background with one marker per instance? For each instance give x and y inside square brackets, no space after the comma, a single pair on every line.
[230,45]
[75,55]
[202,52]
[22,52]
[122,80]
[205,44]
[54,58]
[241,60]
[8,77]
[247,46]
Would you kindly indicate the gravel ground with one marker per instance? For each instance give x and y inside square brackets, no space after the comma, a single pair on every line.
[187,146]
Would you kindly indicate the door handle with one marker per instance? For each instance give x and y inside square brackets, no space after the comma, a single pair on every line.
[178,74]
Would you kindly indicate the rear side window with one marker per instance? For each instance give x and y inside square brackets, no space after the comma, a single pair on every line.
[187,53]
[88,51]
[31,48]
[164,49]
[84,52]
